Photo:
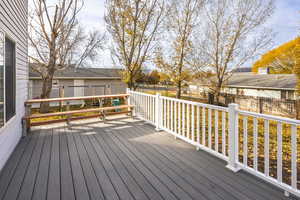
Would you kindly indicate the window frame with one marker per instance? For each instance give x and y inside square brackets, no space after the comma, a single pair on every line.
[7,36]
[12,39]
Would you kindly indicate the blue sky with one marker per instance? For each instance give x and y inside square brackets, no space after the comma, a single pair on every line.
[285,21]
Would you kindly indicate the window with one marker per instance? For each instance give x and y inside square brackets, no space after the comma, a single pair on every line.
[10,79]
[7,79]
[283,94]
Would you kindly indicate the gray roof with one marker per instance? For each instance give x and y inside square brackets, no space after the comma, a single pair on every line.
[267,81]
[94,73]
[276,81]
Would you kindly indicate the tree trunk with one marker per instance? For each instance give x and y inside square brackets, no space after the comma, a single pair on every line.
[46,91]
[178,92]
[217,95]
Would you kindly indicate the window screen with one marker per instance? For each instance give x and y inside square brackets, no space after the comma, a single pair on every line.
[10,79]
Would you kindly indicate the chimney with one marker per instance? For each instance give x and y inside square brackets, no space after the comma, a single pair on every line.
[264,70]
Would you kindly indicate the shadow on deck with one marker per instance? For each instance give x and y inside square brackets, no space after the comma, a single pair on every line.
[122,159]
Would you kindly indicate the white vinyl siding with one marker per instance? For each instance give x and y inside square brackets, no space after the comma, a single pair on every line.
[13,23]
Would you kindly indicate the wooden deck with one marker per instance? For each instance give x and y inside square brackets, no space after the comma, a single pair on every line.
[122,159]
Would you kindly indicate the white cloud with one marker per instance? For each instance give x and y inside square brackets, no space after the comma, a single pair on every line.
[286,20]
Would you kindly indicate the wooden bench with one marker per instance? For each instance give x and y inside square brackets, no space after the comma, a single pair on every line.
[102,112]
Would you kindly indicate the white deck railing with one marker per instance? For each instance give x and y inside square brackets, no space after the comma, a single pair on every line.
[263,145]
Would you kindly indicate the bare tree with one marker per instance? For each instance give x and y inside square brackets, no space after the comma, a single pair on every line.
[133,25]
[231,35]
[175,59]
[58,41]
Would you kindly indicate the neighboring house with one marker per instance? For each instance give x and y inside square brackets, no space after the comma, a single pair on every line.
[13,73]
[279,86]
[80,82]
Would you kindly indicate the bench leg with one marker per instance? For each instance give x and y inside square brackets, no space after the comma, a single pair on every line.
[131,113]
[103,116]
[68,120]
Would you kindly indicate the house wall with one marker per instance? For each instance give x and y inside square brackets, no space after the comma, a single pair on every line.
[116,87]
[254,92]
[245,91]
[96,87]
[13,22]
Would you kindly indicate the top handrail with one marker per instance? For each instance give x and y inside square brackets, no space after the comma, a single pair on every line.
[33,101]
[209,106]
[270,117]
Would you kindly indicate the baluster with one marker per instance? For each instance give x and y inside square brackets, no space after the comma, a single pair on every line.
[164,112]
[209,128]
[193,123]
[294,156]
[267,147]
[175,126]
[168,116]
[148,98]
[180,119]
[183,119]
[223,133]
[216,130]
[279,151]
[245,141]
[153,109]
[198,124]
[172,113]
[255,148]
[203,127]
[188,122]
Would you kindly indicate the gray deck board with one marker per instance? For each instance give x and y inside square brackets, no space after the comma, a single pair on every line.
[247,186]
[31,173]
[91,180]
[79,181]
[207,189]
[134,172]
[67,190]
[180,188]
[133,187]
[54,184]
[241,187]
[11,166]
[40,189]
[121,159]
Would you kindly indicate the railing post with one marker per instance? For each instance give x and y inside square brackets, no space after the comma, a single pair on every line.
[233,147]
[129,99]
[157,112]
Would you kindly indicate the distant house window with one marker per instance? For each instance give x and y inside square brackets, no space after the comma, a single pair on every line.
[283,94]
[10,79]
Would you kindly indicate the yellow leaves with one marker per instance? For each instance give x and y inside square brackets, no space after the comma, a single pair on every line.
[280,60]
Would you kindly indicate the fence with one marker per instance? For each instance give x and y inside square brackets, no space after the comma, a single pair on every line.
[281,107]
[263,145]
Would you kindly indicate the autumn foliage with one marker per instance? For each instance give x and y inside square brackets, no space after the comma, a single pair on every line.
[281,60]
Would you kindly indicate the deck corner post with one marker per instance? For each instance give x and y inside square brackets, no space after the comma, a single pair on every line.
[157,112]
[233,148]
[129,102]
[26,120]
[68,109]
